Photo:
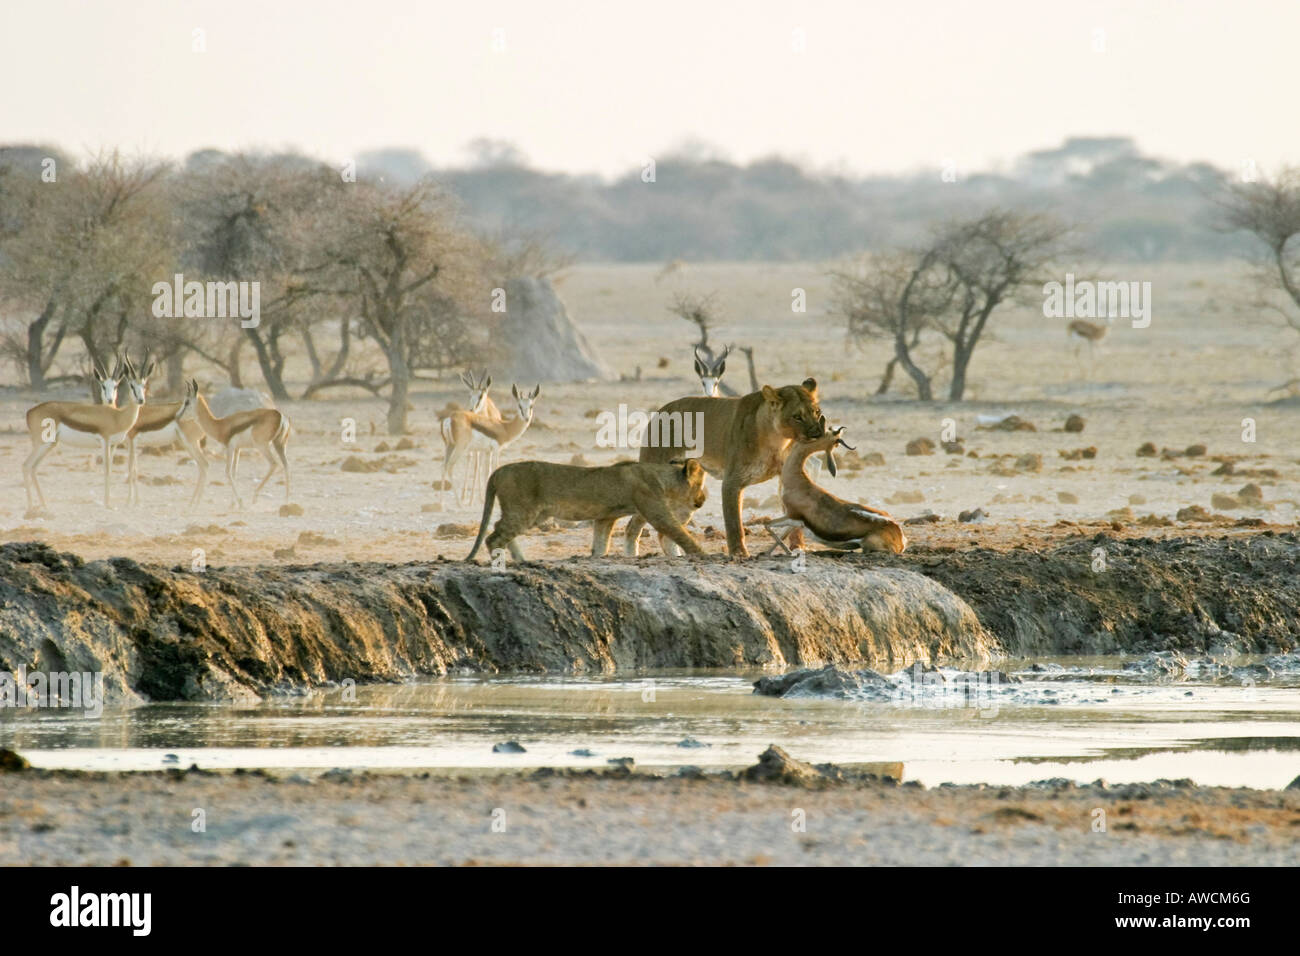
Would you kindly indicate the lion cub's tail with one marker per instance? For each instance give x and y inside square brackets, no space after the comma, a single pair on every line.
[489,499]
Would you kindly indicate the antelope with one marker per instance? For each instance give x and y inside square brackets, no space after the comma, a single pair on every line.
[265,429]
[480,403]
[160,426]
[82,425]
[710,370]
[827,519]
[1089,332]
[466,432]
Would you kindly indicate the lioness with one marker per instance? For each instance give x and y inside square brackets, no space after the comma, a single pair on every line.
[745,441]
[664,494]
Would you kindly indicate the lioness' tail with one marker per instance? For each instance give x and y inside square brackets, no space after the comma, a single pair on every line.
[489,499]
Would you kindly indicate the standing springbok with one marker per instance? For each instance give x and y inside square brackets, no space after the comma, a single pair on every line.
[1081,332]
[160,426]
[710,370]
[466,432]
[480,403]
[827,519]
[81,425]
[265,429]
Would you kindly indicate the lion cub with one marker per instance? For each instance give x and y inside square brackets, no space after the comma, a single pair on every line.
[665,495]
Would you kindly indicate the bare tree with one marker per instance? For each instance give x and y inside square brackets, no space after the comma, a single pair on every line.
[1269,210]
[950,287]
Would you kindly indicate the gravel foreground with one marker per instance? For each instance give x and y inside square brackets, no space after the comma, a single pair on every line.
[774,814]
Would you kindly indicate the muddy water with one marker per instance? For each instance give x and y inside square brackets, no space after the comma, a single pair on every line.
[1089,721]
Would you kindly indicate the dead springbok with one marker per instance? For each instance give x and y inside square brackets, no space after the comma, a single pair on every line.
[710,369]
[464,433]
[827,519]
[160,426]
[265,429]
[81,425]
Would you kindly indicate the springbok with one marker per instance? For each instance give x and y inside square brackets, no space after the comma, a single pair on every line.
[161,426]
[480,403]
[827,519]
[265,429]
[1080,332]
[710,368]
[466,432]
[82,425]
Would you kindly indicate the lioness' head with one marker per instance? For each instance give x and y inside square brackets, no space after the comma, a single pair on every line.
[796,410]
[693,475]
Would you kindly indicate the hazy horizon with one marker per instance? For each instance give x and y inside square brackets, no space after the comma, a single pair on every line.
[584,88]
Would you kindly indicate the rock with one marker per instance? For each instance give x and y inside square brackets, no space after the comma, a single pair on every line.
[1077,454]
[692,743]
[582,752]
[382,447]
[451,530]
[283,554]
[538,342]
[354,464]
[290,511]
[442,484]
[905,497]
[972,517]
[627,763]
[1193,513]
[405,444]
[1074,423]
[828,681]
[874,459]
[580,461]
[1030,462]
[12,762]
[1294,784]
[1195,451]
[776,766]
[1148,450]
[1067,497]
[1010,423]
[1224,502]
[509,747]
[1226,468]
[927,518]
[1137,499]
[1251,494]
[954,447]
[920,446]
[312,539]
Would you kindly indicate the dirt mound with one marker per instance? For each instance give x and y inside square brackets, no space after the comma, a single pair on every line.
[538,342]
[161,634]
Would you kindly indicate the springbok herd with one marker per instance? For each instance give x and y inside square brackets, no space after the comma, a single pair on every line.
[474,438]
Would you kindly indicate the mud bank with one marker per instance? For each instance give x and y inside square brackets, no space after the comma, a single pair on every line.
[160,634]
[1104,595]
[172,634]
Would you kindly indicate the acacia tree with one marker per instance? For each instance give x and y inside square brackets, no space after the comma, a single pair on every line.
[1269,210]
[950,287]
[80,257]
[414,274]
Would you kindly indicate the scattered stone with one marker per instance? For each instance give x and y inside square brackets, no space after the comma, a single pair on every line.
[1137,499]
[290,511]
[1193,513]
[1030,462]
[1294,784]
[1074,423]
[442,484]
[905,497]
[1222,502]
[1077,454]
[383,446]
[1251,494]
[627,763]
[311,539]
[454,530]
[430,506]
[354,464]
[405,444]
[1195,451]
[873,458]
[1226,468]
[920,446]
[972,517]
[1148,450]
[928,518]
[582,752]
[1067,497]
[954,447]
[691,742]
[580,461]
[1155,521]
[283,553]
[1120,514]
[509,747]
[1011,423]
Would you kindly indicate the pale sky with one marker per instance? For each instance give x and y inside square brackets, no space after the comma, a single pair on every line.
[882,85]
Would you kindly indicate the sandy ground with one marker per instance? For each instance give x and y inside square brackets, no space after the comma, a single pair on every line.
[1202,367]
[341,819]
